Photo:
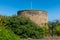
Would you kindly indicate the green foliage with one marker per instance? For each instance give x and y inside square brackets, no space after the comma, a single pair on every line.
[7,34]
[24,27]
[57,30]
[54,27]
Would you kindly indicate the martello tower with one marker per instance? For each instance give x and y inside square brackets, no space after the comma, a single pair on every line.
[40,17]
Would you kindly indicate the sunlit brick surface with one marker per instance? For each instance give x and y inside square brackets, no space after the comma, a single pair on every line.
[38,16]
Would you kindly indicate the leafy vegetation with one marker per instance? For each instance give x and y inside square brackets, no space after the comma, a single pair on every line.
[13,26]
[54,28]
[57,30]
[7,34]
[25,28]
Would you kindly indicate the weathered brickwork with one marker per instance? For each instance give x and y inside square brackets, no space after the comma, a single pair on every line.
[38,16]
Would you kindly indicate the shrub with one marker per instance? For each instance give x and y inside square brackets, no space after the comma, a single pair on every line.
[25,28]
[7,34]
[57,30]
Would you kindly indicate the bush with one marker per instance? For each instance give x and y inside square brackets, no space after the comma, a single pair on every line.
[7,34]
[57,30]
[25,28]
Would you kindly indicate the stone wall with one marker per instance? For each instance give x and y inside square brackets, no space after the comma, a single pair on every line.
[38,16]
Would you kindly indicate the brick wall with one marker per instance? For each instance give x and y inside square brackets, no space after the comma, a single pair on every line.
[38,16]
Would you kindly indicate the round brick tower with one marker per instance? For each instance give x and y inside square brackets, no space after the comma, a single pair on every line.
[40,17]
